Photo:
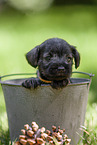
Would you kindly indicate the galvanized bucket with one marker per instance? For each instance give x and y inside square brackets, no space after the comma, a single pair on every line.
[47,106]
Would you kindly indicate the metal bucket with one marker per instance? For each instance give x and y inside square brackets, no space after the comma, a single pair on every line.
[47,106]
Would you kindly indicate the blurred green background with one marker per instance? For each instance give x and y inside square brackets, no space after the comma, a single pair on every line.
[21,29]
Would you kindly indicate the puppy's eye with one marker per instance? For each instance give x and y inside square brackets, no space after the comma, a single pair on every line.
[47,58]
[55,55]
[69,59]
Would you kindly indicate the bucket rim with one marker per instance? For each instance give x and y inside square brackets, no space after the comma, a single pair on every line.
[74,81]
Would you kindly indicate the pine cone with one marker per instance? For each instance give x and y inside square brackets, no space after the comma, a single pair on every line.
[33,135]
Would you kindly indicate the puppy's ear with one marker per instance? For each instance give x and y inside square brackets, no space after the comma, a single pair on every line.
[32,56]
[76,56]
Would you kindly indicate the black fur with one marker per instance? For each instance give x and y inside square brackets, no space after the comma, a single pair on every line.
[54,59]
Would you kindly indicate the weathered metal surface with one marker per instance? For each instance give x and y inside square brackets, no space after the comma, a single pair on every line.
[47,106]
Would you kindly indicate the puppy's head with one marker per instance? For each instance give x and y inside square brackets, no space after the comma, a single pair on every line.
[54,58]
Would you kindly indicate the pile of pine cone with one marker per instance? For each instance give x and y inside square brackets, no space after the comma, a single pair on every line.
[35,136]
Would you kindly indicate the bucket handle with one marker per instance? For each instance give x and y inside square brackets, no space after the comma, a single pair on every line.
[88,74]
[9,75]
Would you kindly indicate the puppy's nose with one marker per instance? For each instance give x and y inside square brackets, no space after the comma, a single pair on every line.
[61,69]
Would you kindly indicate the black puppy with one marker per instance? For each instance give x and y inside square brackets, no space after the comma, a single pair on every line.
[54,58]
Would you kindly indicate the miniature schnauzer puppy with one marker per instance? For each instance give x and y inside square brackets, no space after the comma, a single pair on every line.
[54,59]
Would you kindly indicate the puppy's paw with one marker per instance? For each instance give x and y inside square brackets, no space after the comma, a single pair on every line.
[31,83]
[59,84]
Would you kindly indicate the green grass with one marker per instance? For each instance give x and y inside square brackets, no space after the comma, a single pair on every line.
[20,32]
